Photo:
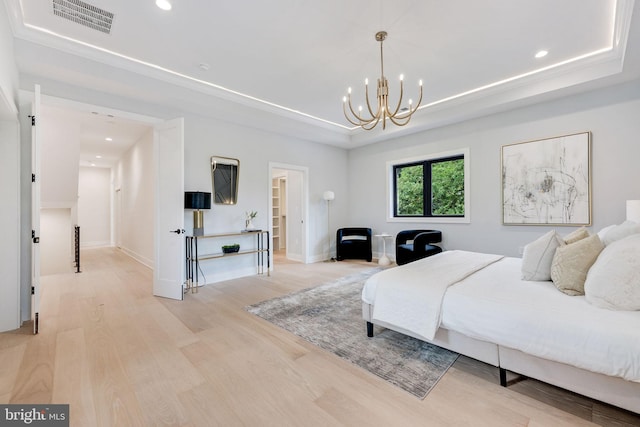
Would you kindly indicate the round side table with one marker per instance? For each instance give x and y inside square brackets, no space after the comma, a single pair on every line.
[384,259]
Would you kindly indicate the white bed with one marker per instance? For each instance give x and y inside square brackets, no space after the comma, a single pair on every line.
[528,327]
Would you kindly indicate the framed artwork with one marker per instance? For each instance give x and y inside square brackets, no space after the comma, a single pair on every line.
[548,181]
[225,173]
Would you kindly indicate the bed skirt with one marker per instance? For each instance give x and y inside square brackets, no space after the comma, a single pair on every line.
[613,390]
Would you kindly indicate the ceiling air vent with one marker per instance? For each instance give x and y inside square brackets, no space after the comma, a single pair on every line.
[84,14]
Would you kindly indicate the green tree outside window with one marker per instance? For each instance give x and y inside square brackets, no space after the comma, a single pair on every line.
[430,188]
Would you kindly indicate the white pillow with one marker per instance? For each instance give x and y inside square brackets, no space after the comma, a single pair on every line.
[605,230]
[621,231]
[613,282]
[538,255]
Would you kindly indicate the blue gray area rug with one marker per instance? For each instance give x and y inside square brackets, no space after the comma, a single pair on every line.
[330,316]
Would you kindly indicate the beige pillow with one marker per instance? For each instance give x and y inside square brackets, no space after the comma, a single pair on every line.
[574,236]
[571,264]
[538,255]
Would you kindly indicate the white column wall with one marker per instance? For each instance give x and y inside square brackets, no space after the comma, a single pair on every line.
[10,216]
[10,219]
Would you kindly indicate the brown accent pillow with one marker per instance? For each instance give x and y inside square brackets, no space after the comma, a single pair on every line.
[571,264]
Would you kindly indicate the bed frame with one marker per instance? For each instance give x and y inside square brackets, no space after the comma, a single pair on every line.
[613,390]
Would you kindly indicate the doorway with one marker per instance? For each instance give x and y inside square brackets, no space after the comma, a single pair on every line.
[288,204]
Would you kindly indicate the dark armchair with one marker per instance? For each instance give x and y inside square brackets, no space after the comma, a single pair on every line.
[353,243]
[412,245]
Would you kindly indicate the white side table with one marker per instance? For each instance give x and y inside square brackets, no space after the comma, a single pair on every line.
[384,259]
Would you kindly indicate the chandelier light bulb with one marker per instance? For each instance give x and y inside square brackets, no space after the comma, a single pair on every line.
[349,91]
[401,77]
[163,4]
[366,82]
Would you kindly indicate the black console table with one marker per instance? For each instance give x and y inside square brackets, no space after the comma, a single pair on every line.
[192,258]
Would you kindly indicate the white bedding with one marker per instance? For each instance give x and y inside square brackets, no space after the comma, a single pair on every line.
[494,305]
[404,300]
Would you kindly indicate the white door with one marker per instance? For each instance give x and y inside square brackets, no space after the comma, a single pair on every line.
[295,216]
[168,276]
[35,211]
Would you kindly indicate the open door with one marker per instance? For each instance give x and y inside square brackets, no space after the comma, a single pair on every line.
[297,201]
[295,216]
[168,276]
[35,211]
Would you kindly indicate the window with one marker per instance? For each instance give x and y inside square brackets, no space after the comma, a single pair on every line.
[431,188]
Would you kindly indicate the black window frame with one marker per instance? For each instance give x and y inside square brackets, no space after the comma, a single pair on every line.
[427,186]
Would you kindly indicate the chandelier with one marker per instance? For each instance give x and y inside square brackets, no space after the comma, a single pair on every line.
[399,116]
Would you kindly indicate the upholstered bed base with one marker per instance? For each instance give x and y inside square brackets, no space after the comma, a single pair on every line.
[481,350]
[613,390]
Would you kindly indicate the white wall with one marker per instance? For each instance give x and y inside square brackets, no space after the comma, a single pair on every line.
[94,206]
[205,137]
[10,215]
[610,114]
[60,161]
[134,178]
[8,69]
[10,218]
[56,241]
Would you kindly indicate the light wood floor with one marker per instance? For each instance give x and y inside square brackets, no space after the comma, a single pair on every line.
[121,357]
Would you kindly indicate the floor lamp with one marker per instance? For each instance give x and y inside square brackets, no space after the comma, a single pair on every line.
[328,196]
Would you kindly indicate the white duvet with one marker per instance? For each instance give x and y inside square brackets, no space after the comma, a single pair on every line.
[495,305]
[411,296]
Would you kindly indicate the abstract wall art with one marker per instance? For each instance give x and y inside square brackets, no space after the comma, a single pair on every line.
[548,181]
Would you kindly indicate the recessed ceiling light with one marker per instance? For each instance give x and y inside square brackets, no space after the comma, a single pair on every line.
[98,156]
[163,4]
[108,139]
[93,164]
[541,54]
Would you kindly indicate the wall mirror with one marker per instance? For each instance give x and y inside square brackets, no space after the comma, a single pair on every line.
[224,177]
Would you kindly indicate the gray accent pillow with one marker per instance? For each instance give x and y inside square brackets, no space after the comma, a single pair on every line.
[538,256]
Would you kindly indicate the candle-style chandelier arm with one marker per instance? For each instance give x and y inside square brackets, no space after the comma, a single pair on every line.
[361,121]
[366,98]
[398,116]
[404,119]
